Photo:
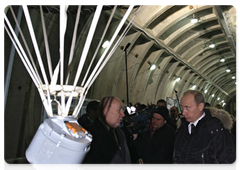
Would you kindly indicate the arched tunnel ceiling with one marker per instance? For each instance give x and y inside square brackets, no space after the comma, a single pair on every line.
[161,35]
[165,36]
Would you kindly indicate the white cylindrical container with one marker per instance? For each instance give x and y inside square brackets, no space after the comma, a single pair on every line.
[59,140]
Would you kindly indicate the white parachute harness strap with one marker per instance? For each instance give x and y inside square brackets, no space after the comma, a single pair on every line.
[25,43]
[99,44]
[46,44]
[73,42]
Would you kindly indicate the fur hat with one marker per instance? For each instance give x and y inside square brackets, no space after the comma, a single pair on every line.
[163,111]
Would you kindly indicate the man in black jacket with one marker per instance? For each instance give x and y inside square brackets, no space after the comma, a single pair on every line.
[109,142]
[90,115]
[202,137]
[156,145]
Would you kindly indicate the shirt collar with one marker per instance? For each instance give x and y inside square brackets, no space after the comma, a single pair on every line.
[196,122]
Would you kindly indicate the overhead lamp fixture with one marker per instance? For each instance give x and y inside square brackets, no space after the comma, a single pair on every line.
[228,70]
[222,101]
[222,60]
[105,44]
[233,77]
[178,79]
[205,91]
[194,20]
[152,66]
[211,45]
[194,87]
[218,98]
[213,95]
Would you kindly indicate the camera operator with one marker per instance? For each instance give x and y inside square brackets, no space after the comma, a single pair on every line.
[156,145]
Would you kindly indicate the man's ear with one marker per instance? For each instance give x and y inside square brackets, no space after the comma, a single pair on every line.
[105,112]
[201,106]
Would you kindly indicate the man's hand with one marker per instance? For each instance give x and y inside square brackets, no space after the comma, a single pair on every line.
[140,162]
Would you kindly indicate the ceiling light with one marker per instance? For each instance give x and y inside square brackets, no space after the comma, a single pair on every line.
[153,67]
[194,86]
[212,45]
[222,101]
[194,19]
[228,70]
[218,98]
[213,95]
[233,77]
[205,91]
[222,60]
[178,79]
[105,44]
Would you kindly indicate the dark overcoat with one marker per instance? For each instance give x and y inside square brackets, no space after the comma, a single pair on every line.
[210,143]
[104,149]
[159,148]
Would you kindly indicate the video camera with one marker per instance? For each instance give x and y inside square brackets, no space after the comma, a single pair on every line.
[139,118]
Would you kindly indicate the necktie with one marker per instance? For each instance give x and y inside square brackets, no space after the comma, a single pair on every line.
[193,128]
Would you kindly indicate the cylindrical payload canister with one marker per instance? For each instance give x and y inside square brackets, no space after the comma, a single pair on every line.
[59,140]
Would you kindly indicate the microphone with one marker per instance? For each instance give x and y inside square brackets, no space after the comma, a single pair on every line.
[127,46]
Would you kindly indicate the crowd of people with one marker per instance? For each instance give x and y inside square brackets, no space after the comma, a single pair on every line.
[199,134]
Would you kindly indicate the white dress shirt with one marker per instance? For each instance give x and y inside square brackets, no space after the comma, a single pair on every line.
[194,123]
